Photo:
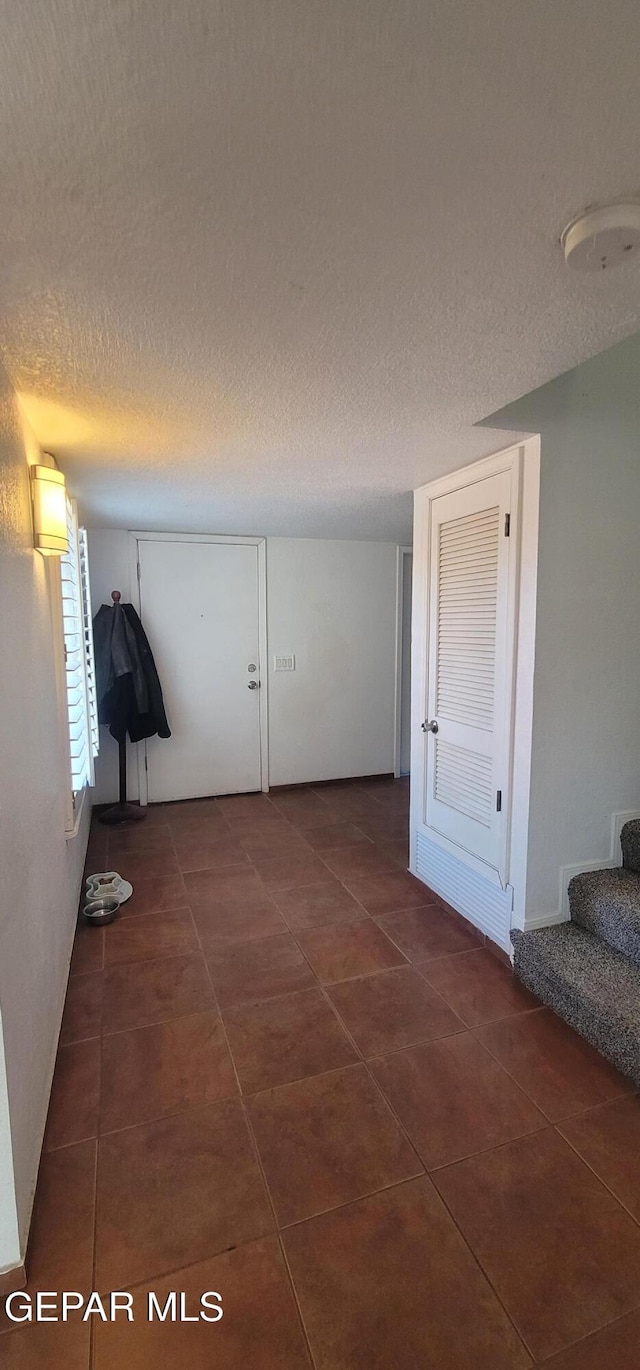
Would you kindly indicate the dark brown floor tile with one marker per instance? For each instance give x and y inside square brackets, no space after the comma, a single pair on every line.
[269,843]
[395,1009]
[147,865]
[75,1095]
[260,1328]
[399,849]
[608,1139]
[142,837]
[195,853]
[88,949]
[151,1072]
[47,1346]
[316,906]
[234,806]
[205,889]
[454,1099]
[174,1192]
[388,1284]
[561,1072]
[304,810]
[613,1348]
[354,810]
[333,791]
[559,1250]
[286,872]
[382,894]
[188,813]
[327,1140]
[338,953]
[200,827]
[478,987]
[145,992]
[356,863]
[427,933]
[239,921]
[261,969]
[380,828]
[279,1040]
[261,827]
[331,835]
[149,937]
[60,1252]
[82,1015]
[154,896]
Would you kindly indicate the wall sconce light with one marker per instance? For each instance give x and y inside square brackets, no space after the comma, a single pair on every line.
[49,511]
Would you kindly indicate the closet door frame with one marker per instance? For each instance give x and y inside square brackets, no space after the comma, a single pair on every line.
[135,538]
[522,460]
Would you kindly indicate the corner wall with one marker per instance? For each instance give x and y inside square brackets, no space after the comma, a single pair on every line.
[586,728]
[41,870]
[331,603]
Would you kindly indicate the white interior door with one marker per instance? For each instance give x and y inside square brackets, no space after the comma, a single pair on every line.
[469,668]
[200,609]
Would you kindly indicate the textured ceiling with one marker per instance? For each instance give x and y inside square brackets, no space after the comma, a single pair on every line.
[264,263]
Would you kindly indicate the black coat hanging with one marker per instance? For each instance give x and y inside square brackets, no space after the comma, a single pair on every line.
[128,690]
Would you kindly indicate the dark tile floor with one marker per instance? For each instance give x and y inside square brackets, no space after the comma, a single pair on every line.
[289,1074]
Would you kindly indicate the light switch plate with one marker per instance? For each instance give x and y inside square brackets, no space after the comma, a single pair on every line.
[284,663]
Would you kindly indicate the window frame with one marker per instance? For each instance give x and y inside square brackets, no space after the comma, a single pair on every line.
[75,560]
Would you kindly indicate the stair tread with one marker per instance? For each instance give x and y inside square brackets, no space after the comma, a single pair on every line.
[591,986]
[607,903]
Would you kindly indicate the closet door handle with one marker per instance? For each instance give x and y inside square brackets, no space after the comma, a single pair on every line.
[253,685]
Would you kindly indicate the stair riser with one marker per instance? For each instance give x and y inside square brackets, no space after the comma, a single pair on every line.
[610,1038]
[603,924]
[630,843]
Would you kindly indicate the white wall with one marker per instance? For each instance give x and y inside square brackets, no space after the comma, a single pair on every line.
[41,870]
[586,732]
[405,673]
[332,604]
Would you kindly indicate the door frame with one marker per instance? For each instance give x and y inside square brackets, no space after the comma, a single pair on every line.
[523,462]
[401,576]
[135,538]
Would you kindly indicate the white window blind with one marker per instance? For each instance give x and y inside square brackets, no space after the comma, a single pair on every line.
[92,697]
[78,653]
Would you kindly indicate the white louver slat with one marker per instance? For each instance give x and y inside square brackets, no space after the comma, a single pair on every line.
[463,779]
[78,648]
[467,598]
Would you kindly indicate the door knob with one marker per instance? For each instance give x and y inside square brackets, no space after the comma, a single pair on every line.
[253,685]
[431,727]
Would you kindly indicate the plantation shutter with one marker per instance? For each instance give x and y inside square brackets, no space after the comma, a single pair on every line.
[78,652]
[90,669]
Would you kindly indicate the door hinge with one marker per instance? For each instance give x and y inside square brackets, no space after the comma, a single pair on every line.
[146,764]
[507,525]
[498,801]
[139,571]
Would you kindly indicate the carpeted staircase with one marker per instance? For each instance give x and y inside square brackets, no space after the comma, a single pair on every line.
[588,970]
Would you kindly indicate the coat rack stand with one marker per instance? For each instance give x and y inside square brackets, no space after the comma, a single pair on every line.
[122,812]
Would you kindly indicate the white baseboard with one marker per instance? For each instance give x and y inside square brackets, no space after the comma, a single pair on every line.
[601,863]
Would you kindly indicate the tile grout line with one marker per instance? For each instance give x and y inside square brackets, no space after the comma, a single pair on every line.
[256,1152]
[359,1055]
[424,1171]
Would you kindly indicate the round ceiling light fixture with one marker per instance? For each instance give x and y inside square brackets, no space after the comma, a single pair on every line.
[603,237]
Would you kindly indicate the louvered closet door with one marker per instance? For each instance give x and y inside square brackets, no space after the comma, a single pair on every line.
[468,668]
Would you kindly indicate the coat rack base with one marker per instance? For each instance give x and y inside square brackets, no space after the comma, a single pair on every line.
[123,813]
